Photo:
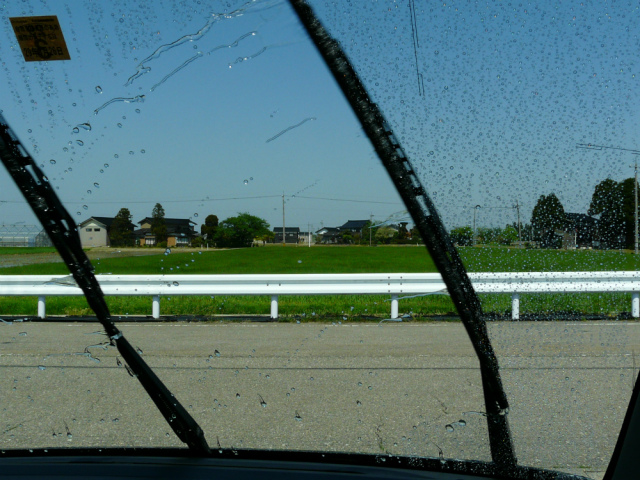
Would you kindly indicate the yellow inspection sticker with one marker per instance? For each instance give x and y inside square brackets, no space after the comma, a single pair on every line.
[40,38]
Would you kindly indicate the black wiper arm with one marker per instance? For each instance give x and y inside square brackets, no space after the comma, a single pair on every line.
[430,226]
[63,232]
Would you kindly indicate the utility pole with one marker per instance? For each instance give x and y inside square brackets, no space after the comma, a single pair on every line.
[475,209]
[370,227]
[309,233]
[283,236]
[635,196]
[519,229]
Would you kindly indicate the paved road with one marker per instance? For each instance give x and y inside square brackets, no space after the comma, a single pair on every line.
[398,388]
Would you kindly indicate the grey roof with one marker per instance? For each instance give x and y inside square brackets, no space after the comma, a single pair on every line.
[170,221]
[351,224]
[106,221]
[286,229]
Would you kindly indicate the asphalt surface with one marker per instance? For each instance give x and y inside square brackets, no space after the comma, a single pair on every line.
[410,389]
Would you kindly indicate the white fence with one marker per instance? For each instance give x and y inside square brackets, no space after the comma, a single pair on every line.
[396,285]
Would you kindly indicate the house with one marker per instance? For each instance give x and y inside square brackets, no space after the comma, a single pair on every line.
[579,231]
[306,238]
[328,235]
[354,226]
[94,232]
[291,234]
[180,232]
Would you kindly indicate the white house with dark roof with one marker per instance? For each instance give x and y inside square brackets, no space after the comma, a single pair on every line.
[94,232]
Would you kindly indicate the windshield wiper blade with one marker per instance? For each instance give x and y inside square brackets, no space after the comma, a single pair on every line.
[63,232]
[430,226]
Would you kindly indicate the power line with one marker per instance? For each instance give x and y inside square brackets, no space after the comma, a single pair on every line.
[346,200]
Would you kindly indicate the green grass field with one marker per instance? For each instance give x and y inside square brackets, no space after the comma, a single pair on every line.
[276,259]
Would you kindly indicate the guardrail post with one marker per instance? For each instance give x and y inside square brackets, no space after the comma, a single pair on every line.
[274,306]
[155,307]
[41,306]
[635,304]
[394,306]
[515,306]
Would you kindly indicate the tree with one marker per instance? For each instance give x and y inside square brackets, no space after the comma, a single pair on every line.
[508,236]
[628,206]
[209,227]
[237,232]
[547,217]
[462,236]
[158,224]
[120,233]
[385,234]
[608,201]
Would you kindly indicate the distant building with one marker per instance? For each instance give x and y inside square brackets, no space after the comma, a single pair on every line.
[180,232]
[328,235]
[94,232]
[291,234]
[306,238]
[579,231]
[19,235]
[353,226]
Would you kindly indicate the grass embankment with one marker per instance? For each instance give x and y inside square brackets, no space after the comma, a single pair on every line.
[277,259]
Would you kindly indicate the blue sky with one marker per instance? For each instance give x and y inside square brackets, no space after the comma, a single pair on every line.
[508,91]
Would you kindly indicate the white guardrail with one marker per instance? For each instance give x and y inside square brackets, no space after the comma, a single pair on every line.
[396,285]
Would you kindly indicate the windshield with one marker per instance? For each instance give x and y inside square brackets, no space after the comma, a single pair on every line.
[189,139]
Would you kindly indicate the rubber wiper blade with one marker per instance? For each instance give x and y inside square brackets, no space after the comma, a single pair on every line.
[62,231]
[430,226]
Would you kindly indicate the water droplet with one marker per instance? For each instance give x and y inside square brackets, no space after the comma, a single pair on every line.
[263,404]
[167,251]
[175,284]
[75,130]
[52,161]
[358,403]
[137,110]
[131,152]
[119,125]
[41,367]
[250,178]
[359,384]
[106,165]
[85,207]
[195,214]
[246,182]
[448,427]
[96,184]
[139,350]
[298,417]
[216,353]
[462,423]
[299,261]
[80,142]
[23,334]
[89,192]
[237,395]
[143,151]
[85,126]
[98,89]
